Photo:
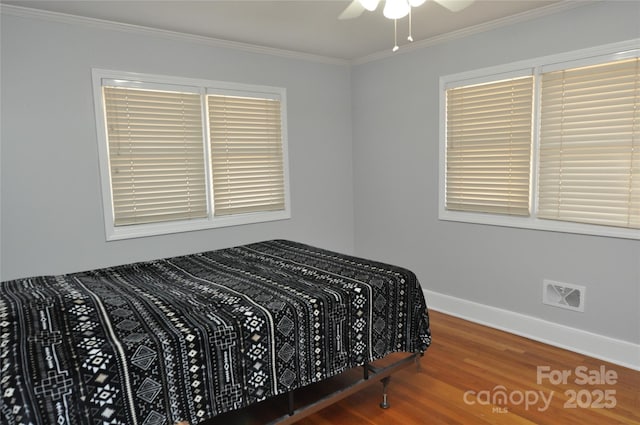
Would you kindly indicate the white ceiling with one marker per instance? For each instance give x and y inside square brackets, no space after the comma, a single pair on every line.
[303,26]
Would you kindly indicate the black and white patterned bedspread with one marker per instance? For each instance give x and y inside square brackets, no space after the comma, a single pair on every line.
[190,337]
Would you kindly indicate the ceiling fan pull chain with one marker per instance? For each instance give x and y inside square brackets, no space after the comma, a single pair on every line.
[410,38]
[395,35]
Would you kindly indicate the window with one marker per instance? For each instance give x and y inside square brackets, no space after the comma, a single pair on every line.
[590,144]
[246,154]
[181,154]
[552,143]
[489,146]
[156,156]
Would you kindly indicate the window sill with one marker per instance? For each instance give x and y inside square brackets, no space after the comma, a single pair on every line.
[539,224]
[157,229]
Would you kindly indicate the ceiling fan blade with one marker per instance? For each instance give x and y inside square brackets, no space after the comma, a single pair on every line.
[370,5]
[454,5]
[352,11]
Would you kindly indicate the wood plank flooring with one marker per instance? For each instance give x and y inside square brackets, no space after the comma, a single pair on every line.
[473,374]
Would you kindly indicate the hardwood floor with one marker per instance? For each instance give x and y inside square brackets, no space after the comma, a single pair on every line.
[473,374]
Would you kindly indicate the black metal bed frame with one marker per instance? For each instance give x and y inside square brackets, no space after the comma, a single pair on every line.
[371,375]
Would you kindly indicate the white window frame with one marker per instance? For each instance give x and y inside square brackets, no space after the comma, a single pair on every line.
[141,80]
[584,57]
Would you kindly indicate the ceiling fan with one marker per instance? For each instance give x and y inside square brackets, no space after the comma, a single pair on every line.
[396,9]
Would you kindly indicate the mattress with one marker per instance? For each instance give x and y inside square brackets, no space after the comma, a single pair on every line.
[190,337]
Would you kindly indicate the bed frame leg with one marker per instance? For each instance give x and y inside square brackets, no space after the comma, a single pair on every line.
[385,402]
[290,403]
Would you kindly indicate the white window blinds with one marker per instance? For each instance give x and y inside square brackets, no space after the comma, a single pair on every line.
[590,145]
[156,155]
[246,154]
[488,133]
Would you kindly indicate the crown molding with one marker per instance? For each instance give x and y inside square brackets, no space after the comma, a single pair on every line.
[476,29]
[64,18]
[26,12]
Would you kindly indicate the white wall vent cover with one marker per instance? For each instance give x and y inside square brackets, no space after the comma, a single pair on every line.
[563,295]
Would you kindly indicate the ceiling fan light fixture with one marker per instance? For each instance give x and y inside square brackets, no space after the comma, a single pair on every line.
[396,9]
[370,5]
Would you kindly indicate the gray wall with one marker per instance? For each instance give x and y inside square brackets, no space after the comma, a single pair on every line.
[395,121]
[51,211]
[375,126]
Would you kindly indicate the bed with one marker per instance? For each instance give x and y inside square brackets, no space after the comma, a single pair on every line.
[184,339]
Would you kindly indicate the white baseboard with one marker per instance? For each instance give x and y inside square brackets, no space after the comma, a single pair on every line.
[612,350]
